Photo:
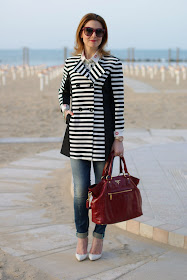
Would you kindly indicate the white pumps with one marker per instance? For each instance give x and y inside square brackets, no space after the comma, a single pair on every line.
[93,257]
[81,258]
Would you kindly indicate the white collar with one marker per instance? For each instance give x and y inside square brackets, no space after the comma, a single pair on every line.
[95,58]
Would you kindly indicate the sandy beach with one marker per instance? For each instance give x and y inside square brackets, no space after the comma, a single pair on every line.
[12,268]
[28,112]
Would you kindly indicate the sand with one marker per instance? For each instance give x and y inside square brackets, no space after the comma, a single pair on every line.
[27,112]
[12,268]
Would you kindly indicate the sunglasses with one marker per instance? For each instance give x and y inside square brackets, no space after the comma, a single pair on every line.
[88,31]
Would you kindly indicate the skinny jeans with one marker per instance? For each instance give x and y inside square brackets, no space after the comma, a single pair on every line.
[81,170]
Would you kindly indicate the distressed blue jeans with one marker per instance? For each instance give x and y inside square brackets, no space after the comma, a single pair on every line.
[81,178]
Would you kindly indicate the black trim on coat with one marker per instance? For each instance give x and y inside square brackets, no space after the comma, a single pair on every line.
[109,115]
[65,149]
[67,91]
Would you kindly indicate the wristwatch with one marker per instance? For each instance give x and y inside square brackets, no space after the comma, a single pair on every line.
[119,138]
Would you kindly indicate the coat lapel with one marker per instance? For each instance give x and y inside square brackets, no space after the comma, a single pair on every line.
[81,69]
[96,72]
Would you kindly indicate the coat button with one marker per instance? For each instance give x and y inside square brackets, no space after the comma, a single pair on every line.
[80,109]
[91,85]
[78,85]
[91,109]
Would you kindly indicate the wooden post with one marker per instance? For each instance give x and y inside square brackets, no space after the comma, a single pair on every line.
[177,55]
[169,56]
[129,55]
[151,73]
[3,74]
[132,50]
[143,70]
[126,69]
[41,76]
[162,71]
[183,69]
[177,73]
[25,56]
[13,70]
[131,70]
[65,53]
[136,70]
[155,69]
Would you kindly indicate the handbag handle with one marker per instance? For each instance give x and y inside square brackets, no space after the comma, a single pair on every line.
[107,171]
[121,169]
[122,159]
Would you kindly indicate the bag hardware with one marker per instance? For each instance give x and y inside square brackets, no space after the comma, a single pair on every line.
[110,194]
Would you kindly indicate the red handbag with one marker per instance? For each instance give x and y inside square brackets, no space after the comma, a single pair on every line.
[115,199]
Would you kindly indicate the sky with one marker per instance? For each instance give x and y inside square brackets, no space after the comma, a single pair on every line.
[52,24]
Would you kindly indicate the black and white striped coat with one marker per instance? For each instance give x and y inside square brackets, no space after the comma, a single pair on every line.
[96,98]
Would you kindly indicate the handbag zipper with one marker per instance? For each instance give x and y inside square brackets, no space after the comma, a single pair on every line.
[110,194]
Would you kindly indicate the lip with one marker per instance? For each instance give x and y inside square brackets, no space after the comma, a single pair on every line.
[93,40]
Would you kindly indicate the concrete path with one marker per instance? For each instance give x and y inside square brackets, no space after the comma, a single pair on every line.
[18,140]
[28,230]
[139,87]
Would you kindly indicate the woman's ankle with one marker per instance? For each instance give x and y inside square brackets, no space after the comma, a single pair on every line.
[82,245]
[97,246]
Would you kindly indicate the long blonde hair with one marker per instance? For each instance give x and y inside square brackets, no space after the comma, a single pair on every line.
[79,45]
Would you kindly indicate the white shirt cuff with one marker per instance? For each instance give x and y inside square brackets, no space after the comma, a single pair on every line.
[118,132]
[64,107]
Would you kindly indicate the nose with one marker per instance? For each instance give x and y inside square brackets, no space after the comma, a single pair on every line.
[94,35]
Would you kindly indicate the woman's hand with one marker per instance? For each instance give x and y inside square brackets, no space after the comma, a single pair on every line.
[66,112]
[117,148]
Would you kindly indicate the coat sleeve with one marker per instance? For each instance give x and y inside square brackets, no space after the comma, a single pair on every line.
[118,95]
[65,88]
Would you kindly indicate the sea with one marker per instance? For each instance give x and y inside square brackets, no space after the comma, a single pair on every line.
[52,57]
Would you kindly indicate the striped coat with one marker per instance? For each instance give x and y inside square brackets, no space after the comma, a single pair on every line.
[96,98]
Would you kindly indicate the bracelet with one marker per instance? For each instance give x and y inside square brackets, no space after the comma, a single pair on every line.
[64,107]
[119,138]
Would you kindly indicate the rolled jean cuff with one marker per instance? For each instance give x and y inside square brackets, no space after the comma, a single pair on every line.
[98,235]
[82,234]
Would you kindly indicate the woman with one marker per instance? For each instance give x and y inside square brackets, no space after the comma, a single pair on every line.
[91,98]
